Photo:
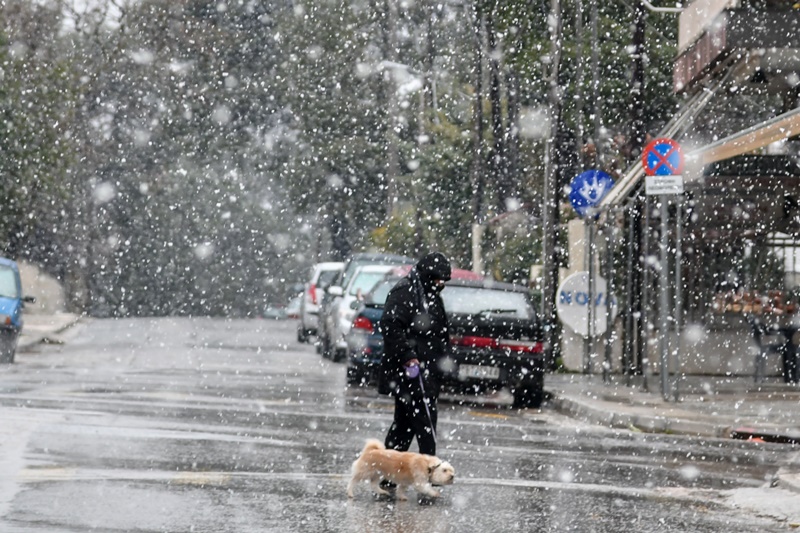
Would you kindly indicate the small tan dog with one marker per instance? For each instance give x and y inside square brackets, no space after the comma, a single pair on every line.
[405,469]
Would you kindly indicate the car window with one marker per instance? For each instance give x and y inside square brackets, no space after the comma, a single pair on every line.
[381,291]
[326,277]
[365,281]
[351,268]
[475,301]
[8,283]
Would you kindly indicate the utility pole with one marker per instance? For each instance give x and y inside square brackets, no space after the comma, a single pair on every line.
[550,214]
[476,170]
[392,160]
[638,299]
[596,85]
[637,140]
[497,165]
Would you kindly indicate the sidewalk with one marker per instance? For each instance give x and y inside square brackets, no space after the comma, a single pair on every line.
[709,406]
[44,328]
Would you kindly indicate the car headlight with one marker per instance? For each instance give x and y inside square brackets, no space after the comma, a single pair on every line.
[5,320]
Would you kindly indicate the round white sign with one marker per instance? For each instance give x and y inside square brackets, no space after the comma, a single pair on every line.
[572,304]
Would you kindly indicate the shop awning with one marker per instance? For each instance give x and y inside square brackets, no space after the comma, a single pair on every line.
[779,128]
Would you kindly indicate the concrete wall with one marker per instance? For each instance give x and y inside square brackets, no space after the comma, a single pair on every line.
[50,296]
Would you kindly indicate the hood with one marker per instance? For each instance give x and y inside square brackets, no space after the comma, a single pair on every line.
[434,266]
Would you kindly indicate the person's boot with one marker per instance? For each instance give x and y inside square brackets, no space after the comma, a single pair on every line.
[389,487]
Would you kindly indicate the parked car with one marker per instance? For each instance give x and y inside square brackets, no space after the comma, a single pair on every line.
[293,307]
[343,308]
[322,274]
[495,341]
[12,302]
[364,341]
[275,312]
[325,345]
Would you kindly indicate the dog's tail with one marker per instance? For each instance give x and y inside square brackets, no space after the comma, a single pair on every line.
[372,444]
[359,474]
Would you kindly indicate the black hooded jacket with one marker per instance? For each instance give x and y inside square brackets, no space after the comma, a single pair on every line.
[414,324]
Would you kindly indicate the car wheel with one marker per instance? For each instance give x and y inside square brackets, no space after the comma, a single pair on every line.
[8,348]
[302,334]
[325,346]
[337,354]
[529,394]
[355,376]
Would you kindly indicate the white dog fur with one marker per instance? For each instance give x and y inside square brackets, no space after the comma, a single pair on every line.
[404,469]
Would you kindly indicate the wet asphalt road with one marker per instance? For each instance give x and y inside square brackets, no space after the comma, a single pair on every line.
[201,425]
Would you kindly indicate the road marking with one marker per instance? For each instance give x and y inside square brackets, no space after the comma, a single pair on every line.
[489,415]
[223,478]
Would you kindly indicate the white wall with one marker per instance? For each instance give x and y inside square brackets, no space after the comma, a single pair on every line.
[49,294]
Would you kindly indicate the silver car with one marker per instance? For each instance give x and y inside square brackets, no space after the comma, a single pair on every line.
[322,274]
[343,309]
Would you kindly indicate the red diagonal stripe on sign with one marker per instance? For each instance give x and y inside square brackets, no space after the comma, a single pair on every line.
[664,159]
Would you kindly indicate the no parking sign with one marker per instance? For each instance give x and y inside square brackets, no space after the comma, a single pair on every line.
[662,160]
[662,157]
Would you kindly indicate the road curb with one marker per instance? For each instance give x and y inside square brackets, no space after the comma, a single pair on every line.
[789,476]
[635,421]
[30,341]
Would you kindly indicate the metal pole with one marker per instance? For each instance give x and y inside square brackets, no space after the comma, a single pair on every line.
[644,334]
[587,346]
[596,84]
[550,218]
[579,92]
[630,264]
[663,289]
[392,140]
[678,294]
[609,275]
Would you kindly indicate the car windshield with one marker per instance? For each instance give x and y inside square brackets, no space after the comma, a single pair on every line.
[8,283]
[478,301]
[365,281]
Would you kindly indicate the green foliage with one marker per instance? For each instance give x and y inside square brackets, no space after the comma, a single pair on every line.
[235,145]
[511,252]
[36,151]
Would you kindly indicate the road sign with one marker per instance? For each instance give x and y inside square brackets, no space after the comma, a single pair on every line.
[654,185]
[662,157]
[588,188]
[572,304]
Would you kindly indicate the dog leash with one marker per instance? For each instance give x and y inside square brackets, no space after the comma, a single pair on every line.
[411,372]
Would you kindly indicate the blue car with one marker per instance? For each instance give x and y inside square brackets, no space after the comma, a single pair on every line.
[11,304]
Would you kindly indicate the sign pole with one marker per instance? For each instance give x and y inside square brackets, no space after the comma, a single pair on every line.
[587,189]
[663,289]
[678,294]
[662,161]
[646,275]
[587,343]
[608,273]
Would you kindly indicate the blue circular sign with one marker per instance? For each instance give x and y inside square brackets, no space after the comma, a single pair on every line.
[588,188]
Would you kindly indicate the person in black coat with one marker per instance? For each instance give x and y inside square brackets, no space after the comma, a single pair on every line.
[415,336]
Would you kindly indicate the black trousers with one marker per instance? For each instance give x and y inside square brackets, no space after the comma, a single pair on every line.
[412,408]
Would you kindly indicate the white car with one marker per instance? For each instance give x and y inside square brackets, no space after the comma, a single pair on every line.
[347,300]
[322,274]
